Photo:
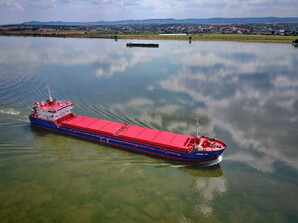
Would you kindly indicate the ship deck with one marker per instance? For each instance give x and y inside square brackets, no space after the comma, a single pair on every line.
[177,142]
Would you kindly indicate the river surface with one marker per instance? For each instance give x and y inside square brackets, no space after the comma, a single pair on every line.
[246,95]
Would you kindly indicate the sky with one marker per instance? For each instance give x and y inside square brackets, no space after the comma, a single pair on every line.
[18,11]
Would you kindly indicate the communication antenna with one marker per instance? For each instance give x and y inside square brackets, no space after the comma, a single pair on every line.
[49,92]
[197,118]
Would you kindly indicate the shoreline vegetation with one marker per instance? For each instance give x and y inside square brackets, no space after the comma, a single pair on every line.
[145,36]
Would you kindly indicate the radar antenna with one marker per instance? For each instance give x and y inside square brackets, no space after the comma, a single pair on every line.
[49,92]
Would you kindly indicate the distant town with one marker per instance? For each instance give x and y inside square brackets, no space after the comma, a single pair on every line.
[290,29]
[283,32]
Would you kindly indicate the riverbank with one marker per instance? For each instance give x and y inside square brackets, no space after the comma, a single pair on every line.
[194,37]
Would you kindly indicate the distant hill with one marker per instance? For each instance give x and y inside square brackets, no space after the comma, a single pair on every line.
[167,21]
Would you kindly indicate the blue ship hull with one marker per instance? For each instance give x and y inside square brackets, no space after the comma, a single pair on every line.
[193,156]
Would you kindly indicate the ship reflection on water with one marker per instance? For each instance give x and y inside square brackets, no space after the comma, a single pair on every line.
[198,170]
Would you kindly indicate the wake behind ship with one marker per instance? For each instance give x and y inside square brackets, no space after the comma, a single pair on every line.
[57,116]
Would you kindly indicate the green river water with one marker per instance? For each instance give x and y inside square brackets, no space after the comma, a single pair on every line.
[246,95]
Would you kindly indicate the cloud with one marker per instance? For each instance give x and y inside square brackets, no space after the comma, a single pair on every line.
[28,5]
[11,4]
[94,10]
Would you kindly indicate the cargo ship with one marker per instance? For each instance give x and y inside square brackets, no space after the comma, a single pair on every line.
[58,116]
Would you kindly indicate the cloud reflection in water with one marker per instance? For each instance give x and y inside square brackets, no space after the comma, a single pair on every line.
[209,183]
[251,96]
[246,93]
[105,59]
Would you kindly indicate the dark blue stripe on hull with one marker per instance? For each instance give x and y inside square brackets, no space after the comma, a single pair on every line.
[196,156]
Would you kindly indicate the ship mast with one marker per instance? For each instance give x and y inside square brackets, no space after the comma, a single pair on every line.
[49,93]
[198,135]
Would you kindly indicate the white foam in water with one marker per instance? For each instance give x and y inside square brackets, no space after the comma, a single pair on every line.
[213,162]
[9,111]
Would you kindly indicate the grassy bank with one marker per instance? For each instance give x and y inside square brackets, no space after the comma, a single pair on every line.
[217,37]
[194,37]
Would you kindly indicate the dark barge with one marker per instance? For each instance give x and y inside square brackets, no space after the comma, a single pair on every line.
[151,45]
